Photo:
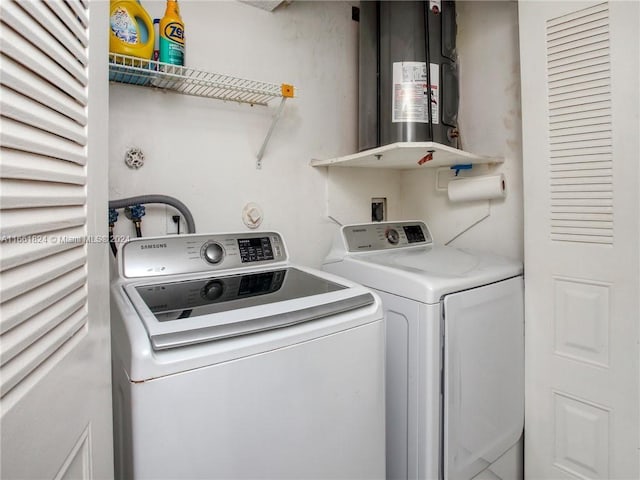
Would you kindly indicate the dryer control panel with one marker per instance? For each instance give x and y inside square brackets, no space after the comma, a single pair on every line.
[385,235]
[194,253]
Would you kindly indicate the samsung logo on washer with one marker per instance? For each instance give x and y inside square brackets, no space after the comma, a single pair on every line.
[153,245]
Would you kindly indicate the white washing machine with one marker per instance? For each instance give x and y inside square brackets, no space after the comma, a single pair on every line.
[231,363]
[454,355]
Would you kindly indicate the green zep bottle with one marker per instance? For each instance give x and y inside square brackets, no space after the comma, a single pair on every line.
[172,35]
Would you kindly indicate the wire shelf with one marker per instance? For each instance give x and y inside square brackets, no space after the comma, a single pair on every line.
[189,81]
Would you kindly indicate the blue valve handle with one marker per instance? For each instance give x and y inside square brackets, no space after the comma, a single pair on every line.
[461,166]
[113,216]
[135,212]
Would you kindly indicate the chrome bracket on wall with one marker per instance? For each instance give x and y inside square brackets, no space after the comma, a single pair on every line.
[276,117]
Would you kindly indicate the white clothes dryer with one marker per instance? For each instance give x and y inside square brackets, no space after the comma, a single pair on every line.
[231,363]
[454,350]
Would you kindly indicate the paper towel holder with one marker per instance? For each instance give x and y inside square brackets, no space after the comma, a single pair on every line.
[483,187]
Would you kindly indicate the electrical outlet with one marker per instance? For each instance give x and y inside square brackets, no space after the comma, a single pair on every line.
[378,209]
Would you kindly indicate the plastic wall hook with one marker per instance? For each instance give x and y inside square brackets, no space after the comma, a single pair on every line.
[252,215]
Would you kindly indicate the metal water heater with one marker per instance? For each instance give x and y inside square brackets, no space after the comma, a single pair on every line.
[408,77]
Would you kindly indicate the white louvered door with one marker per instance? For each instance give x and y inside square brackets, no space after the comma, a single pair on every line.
[580,105]
[54,321]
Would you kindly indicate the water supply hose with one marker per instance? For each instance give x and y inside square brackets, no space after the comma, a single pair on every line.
[155,198]
[113,218]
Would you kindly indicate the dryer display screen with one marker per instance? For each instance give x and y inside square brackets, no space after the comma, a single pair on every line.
[414,233]
[255,249]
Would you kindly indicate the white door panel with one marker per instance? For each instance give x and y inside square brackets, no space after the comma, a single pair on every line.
[54,317]
[580,77]
[483,376]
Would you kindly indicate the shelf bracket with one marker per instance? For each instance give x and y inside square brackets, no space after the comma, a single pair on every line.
[276,117]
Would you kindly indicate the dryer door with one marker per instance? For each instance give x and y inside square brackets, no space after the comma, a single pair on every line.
[483,376]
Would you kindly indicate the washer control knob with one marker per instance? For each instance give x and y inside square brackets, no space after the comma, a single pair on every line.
[213,290]
[393,237]
[213,252]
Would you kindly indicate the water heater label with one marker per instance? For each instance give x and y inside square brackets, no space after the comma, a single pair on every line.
[434,75]
[410,94]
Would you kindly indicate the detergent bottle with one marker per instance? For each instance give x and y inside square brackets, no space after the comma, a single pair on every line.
[172,35]
[131,29]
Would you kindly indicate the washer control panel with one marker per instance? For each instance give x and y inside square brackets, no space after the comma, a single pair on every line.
[385,235]
[176,254]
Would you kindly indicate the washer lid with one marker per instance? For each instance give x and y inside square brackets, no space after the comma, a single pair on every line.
[426,273]
[179,313]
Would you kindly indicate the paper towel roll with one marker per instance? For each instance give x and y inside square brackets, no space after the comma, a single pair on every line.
[477,188]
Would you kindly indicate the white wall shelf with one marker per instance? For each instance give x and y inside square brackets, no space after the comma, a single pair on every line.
[189,81]
[407,155]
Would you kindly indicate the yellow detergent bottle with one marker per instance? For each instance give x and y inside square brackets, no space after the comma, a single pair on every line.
[172,35]
[131,29]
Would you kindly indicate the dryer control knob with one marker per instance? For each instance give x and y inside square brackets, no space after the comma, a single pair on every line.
[212,252]
[393,237]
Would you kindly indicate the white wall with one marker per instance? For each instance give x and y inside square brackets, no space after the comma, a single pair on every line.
[490,124]
[203,151]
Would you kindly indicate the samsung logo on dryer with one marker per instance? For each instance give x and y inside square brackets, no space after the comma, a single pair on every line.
[144,246]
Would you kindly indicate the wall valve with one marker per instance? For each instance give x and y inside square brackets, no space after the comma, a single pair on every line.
[135,214]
